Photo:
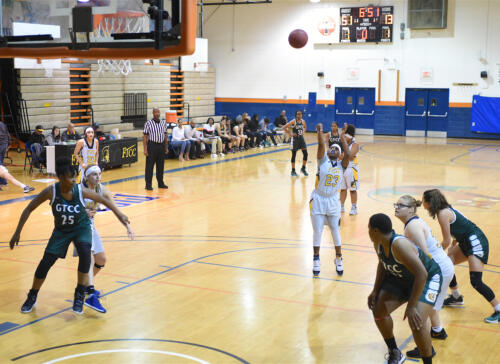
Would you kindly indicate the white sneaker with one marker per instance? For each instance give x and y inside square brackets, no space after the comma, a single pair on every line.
[339,266]
[316,266]
[221,155]
[214,156]
[354,211]
[342,209]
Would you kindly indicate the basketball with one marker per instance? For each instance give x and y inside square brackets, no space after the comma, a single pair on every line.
[297,38]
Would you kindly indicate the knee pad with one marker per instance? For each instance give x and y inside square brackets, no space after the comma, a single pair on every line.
[84,255]
[98,266]
[294,153]
[305,154]
[476,280]
[45,264]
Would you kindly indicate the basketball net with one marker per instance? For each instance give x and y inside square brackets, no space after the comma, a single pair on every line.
[117,23]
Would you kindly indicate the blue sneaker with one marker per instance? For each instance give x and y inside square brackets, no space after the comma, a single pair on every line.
[93,302]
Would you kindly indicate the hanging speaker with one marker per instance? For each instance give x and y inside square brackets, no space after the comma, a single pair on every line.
[484,74]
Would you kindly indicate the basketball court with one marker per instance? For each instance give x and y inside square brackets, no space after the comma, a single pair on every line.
[220,270]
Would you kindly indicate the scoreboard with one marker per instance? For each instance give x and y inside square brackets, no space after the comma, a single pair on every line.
[366,24]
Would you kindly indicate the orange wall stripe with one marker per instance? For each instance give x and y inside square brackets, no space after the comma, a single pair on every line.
[321,102]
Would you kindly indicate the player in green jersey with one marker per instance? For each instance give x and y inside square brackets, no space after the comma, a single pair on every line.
[469,244]
[404,274]
[71,224]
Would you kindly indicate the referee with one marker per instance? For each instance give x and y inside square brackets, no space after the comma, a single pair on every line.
[155,144]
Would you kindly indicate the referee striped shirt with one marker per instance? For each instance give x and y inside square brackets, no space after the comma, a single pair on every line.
[155,130]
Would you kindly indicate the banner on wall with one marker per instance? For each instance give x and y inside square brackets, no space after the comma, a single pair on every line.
[485,115]
[324,26]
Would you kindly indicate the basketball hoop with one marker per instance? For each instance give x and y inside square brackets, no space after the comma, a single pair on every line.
[120,22]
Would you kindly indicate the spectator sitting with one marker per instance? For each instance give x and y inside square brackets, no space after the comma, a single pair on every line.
[254,130]
[37,141]
[191,134]
[54,137]
[210,137]
[279,123]
[237,130]
[70,134]
[224,132]
[99,134]
[268,131]
[4,146]
[179,140]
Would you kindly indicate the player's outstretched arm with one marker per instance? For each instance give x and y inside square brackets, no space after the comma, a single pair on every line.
[106,202]
[321,141]
[406,253]
[107,194]
[347,154]
[45,195]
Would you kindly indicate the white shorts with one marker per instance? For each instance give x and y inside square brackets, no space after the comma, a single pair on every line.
[350,180]
[327,206]
[97,246]
[447,271]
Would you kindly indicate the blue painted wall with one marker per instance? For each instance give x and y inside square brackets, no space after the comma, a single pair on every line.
[389,120]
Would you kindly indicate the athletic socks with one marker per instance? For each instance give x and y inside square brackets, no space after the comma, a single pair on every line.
[455,293]
[427,360]
[90,289]
[316,257]
[391,343]
[437,329]
[33,292]
[497,308]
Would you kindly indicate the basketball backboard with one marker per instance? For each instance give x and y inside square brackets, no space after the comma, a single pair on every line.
[43,29]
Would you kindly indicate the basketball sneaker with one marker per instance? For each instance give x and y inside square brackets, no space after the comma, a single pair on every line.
[441,335]
[304,172]
[29,303]
[28,189]
[395,356]
[354,210]
[493,319]
[78,302]
[339,266]
[316,266]
[451,301]
[294,174]
[214,156]
[415,353]
[93,302]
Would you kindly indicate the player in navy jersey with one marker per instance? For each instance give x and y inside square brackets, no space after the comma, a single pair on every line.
[296,130]
[71,224]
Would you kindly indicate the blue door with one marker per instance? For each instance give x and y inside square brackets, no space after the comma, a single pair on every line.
[365,108]
[345,105]
[355,106]
[427,112]
[437,112]
[416,111]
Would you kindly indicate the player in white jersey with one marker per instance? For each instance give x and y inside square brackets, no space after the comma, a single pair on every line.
[87,151]
[92,181]
[350,181]
[325,199]
[417,231]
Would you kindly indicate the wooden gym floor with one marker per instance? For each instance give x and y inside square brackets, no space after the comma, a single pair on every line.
[220,270]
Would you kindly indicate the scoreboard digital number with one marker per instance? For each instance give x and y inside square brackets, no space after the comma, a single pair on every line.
[370,24]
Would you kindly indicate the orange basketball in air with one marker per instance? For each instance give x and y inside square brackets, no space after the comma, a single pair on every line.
[297,38]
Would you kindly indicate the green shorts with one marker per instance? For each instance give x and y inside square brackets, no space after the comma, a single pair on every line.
[477,245]
[402,289]
[60,240]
